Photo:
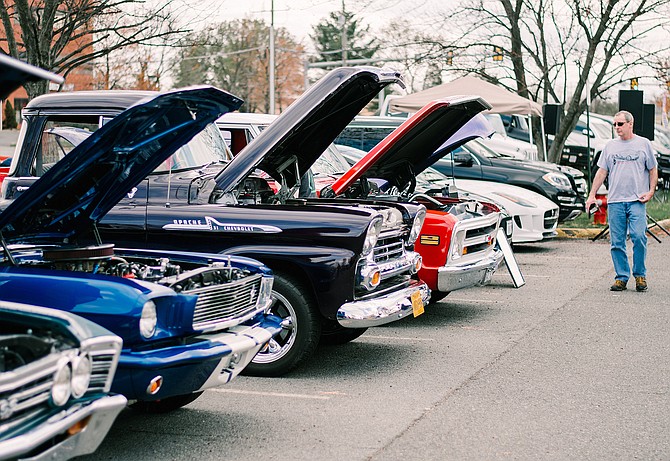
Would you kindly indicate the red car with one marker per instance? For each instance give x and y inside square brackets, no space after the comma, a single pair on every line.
[5,162]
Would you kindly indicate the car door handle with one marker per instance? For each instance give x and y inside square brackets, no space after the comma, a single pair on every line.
[22,188]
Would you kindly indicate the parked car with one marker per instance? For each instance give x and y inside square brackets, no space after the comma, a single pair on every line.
[189,321]
[339,268]
[56,368]
[458,239]
[533,217]
[563,185]
[56,371]
[476,268]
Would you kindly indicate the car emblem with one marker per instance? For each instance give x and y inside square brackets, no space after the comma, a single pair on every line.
[7,408]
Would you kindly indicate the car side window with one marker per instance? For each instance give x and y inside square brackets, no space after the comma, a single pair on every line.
[58,139]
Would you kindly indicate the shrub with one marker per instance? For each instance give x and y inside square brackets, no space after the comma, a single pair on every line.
[10,116]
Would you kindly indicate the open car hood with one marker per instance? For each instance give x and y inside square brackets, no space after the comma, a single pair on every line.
[82,187]
[14,73]
[289,146]
[424,138]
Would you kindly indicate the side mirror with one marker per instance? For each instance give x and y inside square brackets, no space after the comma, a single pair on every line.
[463,159]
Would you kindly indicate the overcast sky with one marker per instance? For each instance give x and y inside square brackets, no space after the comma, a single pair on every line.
[298,16]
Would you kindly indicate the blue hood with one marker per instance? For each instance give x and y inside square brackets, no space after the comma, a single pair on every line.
[82,187]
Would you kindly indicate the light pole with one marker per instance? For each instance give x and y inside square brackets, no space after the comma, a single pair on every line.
[272,58]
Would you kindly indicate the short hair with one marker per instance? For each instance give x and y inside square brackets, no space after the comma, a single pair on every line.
[627,115]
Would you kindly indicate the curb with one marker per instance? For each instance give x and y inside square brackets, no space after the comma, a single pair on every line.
[589,233]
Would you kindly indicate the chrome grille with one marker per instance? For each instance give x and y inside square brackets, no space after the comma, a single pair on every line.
[223,303]
[102,363]
[28,389]
[388,249]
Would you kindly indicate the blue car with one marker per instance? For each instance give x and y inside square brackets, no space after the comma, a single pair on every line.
[189,321]
[56,370]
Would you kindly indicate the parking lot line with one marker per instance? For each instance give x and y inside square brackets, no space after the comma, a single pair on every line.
[270,394]
[401,338]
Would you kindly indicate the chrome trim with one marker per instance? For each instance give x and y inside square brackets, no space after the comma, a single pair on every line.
[381,310]
[102,412]
[454,277]
[245,342]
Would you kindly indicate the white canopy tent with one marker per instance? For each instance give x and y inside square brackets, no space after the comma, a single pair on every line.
[503,101]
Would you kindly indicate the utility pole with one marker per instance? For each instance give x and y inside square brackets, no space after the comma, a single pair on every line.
[343,41]
[272,58]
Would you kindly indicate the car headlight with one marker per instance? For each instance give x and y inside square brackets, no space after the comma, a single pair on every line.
[372,235]
[557,180]
[457,245]
[81,375]
[148,320]
[514,199]
[265,292]
[417,225]
[61,390]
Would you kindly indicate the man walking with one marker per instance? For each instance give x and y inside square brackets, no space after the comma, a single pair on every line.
[629,164]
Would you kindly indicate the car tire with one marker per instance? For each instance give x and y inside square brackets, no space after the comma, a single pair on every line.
[437,296]
[332,333]
[164,405]
[292,302]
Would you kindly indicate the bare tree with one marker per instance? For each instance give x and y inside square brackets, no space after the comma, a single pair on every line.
[234,55]
[553,51]
[62,35]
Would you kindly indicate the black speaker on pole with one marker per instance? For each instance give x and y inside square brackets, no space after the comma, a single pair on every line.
[648,120]
[552,114]
[631,100]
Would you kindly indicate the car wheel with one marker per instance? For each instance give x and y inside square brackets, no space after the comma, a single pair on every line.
[300,333]
[437,296]
[332,333]
[165,405]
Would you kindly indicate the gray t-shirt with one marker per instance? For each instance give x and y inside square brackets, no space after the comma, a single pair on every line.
[628,164]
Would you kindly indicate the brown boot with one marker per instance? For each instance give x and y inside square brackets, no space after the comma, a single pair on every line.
[619,285]
[641,283]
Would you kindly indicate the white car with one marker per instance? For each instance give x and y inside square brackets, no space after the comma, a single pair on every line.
[534,216]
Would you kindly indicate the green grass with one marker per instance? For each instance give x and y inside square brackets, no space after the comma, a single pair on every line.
[658,208]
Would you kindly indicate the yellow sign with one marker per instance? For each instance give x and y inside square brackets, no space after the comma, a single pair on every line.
[430,240]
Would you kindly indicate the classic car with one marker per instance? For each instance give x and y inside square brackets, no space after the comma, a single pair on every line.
[189,321]
[56,368]
[239,128]
[56,371]
[533,216]
[339,268]
[458,239]
[563,185]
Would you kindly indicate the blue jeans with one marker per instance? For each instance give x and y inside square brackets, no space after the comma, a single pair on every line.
[628,218]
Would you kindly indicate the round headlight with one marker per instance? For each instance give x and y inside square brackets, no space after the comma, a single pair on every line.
[60,391]
[148,320]
[81,375]
[417,225]
[372,235]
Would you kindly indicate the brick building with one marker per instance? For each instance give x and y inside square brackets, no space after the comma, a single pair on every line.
[80,78]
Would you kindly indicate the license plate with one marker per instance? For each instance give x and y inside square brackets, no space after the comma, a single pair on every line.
[417,303]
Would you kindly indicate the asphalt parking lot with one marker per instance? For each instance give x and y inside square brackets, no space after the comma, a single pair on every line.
[560,368]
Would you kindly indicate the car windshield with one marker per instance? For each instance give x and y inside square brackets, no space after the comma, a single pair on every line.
[479,148]
[330,162]
[58,140]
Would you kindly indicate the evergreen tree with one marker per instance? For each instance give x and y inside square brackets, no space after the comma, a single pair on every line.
[329,33]
[10,116]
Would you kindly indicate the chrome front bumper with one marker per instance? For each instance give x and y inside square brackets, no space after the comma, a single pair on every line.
[450,278]
[245,342]
[382,310]
[102,413]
